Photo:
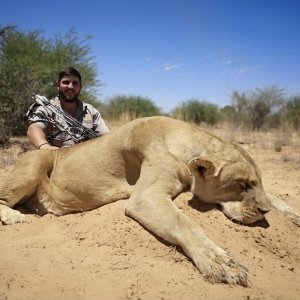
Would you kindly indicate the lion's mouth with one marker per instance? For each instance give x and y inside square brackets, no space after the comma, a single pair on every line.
[248,217]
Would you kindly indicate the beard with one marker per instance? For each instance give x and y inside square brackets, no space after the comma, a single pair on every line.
[68,97]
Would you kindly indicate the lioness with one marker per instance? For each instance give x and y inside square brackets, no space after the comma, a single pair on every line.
[148,161]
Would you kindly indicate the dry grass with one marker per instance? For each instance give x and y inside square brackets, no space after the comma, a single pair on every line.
[8,156]
[284,142]
[124,118]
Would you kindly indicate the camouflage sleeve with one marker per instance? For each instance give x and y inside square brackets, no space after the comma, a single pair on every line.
[99,125]
[37,114]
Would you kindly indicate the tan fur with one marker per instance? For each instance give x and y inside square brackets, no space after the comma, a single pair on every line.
[148,161]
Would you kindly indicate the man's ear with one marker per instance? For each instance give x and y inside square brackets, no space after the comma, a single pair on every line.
[204,167]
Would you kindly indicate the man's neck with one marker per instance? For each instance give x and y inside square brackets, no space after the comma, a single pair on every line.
[69,107]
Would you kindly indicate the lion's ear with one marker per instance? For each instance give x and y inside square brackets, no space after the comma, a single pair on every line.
[205,167]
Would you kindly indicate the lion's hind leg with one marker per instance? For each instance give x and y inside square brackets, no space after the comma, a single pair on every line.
[151,205]
[10,196]
[21,184]
[10,216]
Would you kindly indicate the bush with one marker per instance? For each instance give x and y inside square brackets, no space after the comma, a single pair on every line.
[291,112]
[197,111]
[131,106]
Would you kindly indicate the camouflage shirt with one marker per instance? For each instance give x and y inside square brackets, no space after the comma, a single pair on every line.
[86,114]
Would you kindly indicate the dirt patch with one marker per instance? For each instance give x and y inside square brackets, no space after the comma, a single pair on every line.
[103,254]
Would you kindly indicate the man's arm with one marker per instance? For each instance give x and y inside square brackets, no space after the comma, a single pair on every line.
[37,137]
[99,125]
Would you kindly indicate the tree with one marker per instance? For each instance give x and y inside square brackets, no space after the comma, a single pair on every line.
[229,114]
[29,64]
[131,106]
[197,111]
[291,112]
[255,106]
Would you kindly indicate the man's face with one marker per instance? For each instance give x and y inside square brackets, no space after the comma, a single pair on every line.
[69,88]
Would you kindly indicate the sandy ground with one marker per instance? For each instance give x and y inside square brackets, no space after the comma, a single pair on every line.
[103,254]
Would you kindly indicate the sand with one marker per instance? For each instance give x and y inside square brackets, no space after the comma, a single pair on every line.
[102,254]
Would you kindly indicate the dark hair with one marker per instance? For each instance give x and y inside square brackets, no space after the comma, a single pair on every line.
[69,71]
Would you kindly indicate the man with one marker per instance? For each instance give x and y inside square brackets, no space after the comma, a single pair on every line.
[43,134]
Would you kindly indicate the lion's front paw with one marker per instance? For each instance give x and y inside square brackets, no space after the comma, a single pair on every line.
[219,267]
[227,270]
[10,216]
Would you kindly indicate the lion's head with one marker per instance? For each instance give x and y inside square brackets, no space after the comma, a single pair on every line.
[234,183]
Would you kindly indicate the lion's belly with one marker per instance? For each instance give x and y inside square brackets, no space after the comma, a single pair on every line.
[73,195]
[46,205]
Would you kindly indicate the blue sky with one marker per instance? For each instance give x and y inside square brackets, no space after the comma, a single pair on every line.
[171,51]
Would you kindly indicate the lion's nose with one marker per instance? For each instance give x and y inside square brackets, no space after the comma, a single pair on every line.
[263,211]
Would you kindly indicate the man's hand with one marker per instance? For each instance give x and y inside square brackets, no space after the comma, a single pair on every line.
[47,146]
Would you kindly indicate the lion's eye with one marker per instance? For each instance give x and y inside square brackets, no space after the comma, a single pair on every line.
[244,185]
